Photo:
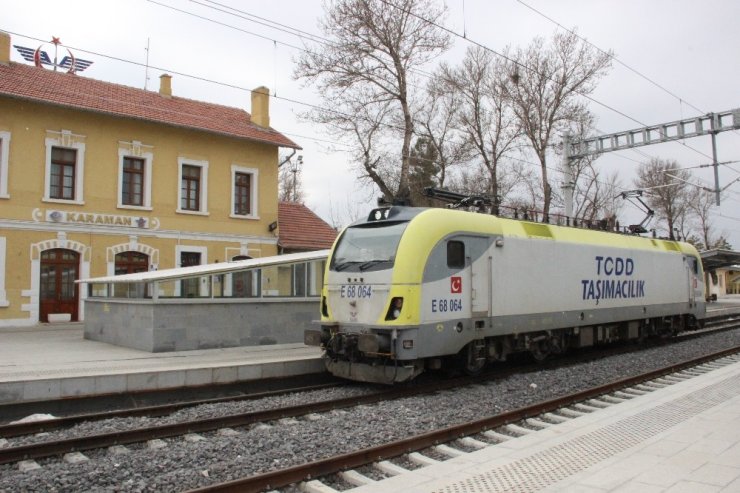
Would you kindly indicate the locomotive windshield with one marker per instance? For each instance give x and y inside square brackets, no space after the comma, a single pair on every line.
[367,247]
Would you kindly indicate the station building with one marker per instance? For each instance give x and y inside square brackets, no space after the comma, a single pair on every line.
[102,179]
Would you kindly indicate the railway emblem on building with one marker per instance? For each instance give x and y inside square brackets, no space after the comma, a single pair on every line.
[39,57]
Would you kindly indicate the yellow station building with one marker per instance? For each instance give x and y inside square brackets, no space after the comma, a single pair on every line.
[99,179]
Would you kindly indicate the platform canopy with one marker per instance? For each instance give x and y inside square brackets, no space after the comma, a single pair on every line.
[209,269]
[716,259]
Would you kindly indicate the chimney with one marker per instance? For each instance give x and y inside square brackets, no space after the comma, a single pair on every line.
[261,106]
[165,85]
[4,48]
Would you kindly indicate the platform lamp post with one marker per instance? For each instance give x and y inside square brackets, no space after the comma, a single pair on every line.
[294,168]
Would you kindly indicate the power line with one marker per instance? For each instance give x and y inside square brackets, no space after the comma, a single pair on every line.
[519,64]
[225,24]
[635,71]
[613,57]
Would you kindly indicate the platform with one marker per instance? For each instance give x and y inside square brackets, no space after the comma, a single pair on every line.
[53,361]
[681,438]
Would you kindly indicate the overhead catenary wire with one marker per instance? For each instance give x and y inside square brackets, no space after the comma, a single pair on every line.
[232,86]
[628,67]
[525,67]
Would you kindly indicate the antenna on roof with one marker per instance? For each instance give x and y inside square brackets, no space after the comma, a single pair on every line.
[146,71]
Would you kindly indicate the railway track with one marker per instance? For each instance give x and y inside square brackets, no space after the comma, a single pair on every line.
[454,441]
[159,402]
[51,448]
[13,454]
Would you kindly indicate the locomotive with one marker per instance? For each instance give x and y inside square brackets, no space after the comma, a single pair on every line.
[411,289]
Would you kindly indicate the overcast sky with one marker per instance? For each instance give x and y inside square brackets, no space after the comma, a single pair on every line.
[688,47]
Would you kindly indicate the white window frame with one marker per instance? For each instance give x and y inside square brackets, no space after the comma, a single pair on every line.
[68,141]
[4,157]
[203,165]
[254,187]
[148,157]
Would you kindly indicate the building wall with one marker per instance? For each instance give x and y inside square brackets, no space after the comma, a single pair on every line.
[96,225]
[723,281]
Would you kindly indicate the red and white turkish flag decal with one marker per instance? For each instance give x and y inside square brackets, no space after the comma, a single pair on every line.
[456,284]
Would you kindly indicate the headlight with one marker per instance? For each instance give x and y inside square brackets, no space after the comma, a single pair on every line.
[394,310]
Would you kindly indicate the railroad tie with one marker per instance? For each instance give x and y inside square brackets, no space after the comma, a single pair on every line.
[389,468]
[355,478]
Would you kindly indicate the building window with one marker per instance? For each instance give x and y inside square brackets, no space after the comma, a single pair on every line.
[4,157]
[132,192]
[190,188]
[130,263]
[65,166]
[192,287]
[62,177]
[242,205]
[244,188]
[192,193]
[135,176]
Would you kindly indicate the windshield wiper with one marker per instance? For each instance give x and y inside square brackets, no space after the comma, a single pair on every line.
[343,265]
[370,263]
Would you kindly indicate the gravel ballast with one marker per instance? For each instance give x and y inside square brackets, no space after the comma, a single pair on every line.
[185,464]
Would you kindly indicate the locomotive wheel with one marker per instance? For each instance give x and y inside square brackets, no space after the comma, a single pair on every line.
[540,349]
[471,358]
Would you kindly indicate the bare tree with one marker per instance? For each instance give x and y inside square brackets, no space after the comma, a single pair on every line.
[546,85]
[375,48]
[484,114]
[667,192]
[436,127]
[596,196]
[701,204]
[290,184]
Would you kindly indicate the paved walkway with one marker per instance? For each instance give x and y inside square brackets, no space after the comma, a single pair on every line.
[681,438]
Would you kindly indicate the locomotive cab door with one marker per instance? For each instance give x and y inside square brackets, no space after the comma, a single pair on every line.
[480,262]
[692,275]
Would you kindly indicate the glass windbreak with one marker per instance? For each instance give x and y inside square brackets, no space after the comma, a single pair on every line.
[364,248]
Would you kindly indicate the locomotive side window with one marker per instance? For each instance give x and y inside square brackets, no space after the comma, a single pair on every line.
[455,254]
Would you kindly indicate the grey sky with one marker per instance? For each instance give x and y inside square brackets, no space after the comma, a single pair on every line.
[688,47]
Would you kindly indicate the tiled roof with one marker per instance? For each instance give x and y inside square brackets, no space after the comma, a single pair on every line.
[74,91]
[301,229]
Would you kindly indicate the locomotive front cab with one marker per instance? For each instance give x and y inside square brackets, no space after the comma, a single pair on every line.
[367,320]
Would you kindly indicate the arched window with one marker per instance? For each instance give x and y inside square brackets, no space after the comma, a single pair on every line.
[131,262]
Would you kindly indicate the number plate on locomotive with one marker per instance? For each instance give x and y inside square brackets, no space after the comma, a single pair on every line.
[355,291]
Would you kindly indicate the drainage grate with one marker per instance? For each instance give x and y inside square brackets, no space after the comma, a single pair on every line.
[562,461]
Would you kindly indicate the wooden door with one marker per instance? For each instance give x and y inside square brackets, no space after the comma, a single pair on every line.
[58,291]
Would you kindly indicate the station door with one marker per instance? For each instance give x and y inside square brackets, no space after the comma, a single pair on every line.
[58,291]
